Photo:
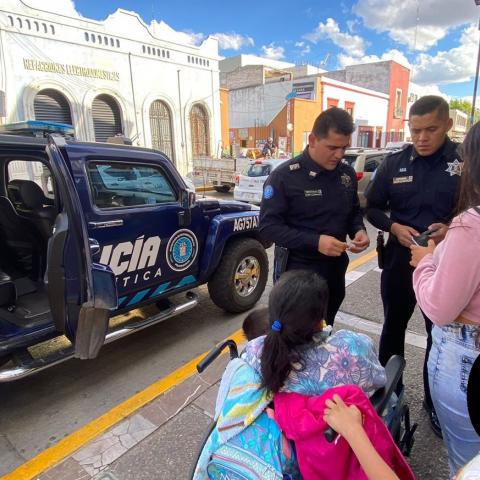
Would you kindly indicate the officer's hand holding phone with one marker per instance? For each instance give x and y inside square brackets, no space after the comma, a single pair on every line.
[403,233]
[419,252]
[439,230]
[330,246]
[360,242]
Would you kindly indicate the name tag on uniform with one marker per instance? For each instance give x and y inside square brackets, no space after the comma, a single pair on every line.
[313,193]
[405,179]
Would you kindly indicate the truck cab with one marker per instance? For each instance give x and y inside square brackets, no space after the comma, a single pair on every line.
[91,232]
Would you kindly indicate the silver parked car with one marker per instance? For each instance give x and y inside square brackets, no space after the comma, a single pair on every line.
[364,161]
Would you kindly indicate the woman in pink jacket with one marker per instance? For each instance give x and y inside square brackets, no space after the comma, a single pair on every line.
[447,285]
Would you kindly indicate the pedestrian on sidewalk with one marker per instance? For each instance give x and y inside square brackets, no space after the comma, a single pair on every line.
[418,185]
[447,285]
[310,204]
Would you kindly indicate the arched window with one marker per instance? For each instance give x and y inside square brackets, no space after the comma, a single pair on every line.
[10,19]
[19,21]
[199,125]
[52,29]
[52,106]
[87,37]
[161,128]
[107,118]
[29,25]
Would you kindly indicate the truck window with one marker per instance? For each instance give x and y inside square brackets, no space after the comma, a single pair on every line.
[33,171]
[258,170]
[120,185]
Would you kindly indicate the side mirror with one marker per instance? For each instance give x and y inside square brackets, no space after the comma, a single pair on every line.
[187,201]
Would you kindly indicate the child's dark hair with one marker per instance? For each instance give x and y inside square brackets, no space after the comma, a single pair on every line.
[298,302]
[256,323]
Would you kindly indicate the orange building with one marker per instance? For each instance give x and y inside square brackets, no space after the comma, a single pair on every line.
[285,107]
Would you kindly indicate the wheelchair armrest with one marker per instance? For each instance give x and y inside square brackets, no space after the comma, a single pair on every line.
[393,370]
[215,352]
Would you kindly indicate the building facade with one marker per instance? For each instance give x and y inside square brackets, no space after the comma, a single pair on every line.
[110,77]
[285,108]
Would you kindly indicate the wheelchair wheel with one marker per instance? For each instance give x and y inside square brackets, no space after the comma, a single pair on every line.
[210,429]
[407,438]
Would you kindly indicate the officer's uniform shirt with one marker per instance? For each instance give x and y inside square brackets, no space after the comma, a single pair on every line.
[301,201]
[418,190]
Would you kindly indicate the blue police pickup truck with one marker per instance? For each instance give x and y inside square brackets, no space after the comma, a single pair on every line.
[90,232]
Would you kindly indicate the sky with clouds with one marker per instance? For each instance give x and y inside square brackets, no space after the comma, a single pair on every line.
[437,39]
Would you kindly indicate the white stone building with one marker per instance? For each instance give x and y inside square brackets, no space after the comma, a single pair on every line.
[110,77]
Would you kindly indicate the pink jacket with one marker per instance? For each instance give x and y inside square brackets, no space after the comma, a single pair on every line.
[301,420]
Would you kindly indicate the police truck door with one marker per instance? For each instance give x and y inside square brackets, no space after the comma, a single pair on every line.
[81,293]
[132,204]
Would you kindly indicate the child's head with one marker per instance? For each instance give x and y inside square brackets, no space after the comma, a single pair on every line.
[297,306]
[256,323]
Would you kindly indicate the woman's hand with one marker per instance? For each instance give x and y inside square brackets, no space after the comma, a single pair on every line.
[419,252]
[344,420]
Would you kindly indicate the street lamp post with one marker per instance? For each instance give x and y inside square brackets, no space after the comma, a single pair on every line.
[474,99]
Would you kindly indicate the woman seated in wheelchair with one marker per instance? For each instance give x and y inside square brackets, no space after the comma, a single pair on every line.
[295,356]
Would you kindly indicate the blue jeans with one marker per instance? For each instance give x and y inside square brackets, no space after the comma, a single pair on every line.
[455,348]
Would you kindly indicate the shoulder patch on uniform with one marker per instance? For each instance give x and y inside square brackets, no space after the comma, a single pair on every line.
[268,192]
[346,180]
[294,166]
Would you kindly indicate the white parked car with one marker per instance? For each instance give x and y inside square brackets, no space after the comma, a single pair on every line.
[249,183]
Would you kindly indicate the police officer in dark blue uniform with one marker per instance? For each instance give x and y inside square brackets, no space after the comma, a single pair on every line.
[310,204]
[419,186]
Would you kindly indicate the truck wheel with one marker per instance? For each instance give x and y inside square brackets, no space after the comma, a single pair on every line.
[222,188]
[241,276]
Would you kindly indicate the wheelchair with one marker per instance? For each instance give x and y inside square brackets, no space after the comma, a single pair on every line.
[399,423]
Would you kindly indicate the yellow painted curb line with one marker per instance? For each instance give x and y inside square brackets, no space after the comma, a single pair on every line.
[70,444]
[73,442]
[360,261]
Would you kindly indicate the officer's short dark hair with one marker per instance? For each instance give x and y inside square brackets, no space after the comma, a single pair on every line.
[336,119]
[429,104]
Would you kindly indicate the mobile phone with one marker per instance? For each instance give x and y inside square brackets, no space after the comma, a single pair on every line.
[422,239]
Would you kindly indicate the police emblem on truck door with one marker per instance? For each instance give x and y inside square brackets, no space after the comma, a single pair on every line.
[182,250]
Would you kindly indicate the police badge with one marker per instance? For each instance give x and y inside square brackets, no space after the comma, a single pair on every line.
[346,180]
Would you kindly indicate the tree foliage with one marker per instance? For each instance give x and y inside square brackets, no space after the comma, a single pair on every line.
[464,106]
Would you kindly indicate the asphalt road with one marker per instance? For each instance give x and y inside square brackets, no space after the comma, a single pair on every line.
[38,411]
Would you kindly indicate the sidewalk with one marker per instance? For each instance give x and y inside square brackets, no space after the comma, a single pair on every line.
[149,444]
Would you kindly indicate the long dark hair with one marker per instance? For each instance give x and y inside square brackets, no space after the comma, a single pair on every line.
[298,301]
[470,183]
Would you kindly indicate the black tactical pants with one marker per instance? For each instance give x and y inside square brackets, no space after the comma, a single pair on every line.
[333,270]
[398,304]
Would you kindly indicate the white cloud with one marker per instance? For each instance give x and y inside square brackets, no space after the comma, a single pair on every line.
[394,54]
[162,30]
[435,19]
[304,48]
[273,52]
[422,90]
[351,24]
[62,7]
[449,66]
[233,41]
[354,44]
